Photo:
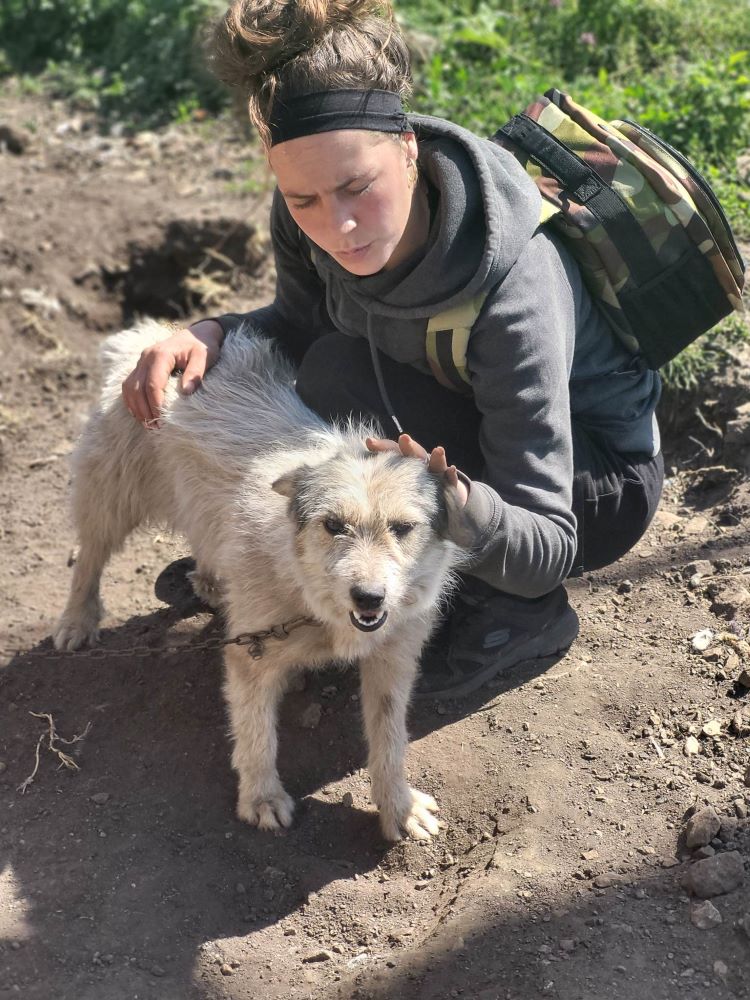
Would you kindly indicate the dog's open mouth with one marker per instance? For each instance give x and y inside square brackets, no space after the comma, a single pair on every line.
[368,621]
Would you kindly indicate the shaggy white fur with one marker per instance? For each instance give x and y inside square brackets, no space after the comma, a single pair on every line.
[286,516]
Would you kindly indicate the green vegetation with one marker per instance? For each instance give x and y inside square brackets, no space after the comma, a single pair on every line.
[679,67]
[135,60]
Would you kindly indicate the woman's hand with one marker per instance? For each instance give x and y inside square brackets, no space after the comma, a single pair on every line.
[194,349]
[435,460]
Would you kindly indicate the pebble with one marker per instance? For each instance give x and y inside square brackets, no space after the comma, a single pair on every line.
[740,808]
[715,876]
[704,852]
[318,956]
[702,566]
[692,746]
[3,766]
[702,640]
[310,718]
[721,969]
[227,970]
[746,777]
[625,587]
[744,679]
[100,798]
[701,828]
[347,799]
[609,879]
[704,916]
[712,728]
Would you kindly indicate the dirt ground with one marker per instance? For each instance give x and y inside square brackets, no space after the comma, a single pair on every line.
[563,870]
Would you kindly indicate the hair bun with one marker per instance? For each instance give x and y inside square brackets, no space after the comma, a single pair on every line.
[265,47]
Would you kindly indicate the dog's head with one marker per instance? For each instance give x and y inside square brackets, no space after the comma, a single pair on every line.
[371,537]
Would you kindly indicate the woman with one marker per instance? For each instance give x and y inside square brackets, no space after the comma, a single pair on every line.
[381,222]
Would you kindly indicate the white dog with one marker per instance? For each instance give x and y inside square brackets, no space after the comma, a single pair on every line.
[286,517]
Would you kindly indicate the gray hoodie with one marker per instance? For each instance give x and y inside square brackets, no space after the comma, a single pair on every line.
[539,354]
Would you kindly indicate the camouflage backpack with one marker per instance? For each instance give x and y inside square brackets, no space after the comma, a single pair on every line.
[652,241]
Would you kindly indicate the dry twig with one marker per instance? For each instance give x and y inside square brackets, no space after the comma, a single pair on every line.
[52,738]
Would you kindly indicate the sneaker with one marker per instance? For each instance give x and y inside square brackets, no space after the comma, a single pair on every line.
[173,586]
[488,633]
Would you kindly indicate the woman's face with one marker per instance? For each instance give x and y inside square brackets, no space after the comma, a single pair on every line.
[351,192]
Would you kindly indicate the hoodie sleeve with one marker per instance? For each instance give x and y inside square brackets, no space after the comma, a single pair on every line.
[519,357]
[298,314]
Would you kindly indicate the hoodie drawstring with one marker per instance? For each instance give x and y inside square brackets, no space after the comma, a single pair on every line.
[389,407]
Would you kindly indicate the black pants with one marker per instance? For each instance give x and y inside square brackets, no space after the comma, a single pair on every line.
[614,495]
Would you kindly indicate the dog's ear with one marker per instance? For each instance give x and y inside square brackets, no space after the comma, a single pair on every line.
[287,484]
[291,485]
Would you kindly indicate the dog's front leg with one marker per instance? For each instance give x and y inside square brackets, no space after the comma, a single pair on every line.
[253,689]
[387,679]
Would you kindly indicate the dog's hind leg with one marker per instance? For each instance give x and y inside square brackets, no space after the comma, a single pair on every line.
[104,513]
[253,689]
[387,678]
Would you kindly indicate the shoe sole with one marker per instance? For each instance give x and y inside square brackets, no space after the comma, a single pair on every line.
[551,642]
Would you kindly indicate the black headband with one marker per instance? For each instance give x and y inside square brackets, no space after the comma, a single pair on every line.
[327,110]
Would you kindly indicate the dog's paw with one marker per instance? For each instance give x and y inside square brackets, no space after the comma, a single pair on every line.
[73,633]
[268,812]
[411,814]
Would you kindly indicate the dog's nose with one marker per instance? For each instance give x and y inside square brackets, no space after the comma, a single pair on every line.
[368,598]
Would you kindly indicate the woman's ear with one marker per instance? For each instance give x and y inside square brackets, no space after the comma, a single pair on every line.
[411,149]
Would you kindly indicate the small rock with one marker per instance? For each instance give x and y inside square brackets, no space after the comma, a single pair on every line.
[721,969]
[728,829]
[729,599]
[715,876]
[712,728]
[746,777]
[625,587]
[740,808]
[100,798]
[297,683]
[609,879]
[704,916]
[744,679]
[701,828]
[318,956]
[3,766]
[692,746]
[701,566]
[702,640]
[310,718]
[13,140]
[567,945]
[227,970]
[739,725]
[704,852]
[347,799]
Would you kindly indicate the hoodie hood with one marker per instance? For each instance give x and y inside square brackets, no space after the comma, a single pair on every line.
[488,209]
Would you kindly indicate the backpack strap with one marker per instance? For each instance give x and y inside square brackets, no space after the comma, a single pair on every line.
[448,340]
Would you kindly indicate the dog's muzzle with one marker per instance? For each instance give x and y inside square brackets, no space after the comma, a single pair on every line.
[368,621]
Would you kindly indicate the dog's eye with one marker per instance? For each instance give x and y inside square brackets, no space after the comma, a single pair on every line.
[334,526]
[401,528]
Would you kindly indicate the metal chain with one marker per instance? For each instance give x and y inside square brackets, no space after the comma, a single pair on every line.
[255,642]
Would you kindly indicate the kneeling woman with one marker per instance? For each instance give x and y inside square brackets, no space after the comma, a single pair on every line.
[382,222]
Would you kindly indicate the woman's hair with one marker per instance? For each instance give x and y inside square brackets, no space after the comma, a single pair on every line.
[285,48]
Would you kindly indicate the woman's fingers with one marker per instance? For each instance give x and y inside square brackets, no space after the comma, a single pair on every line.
[380,444]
